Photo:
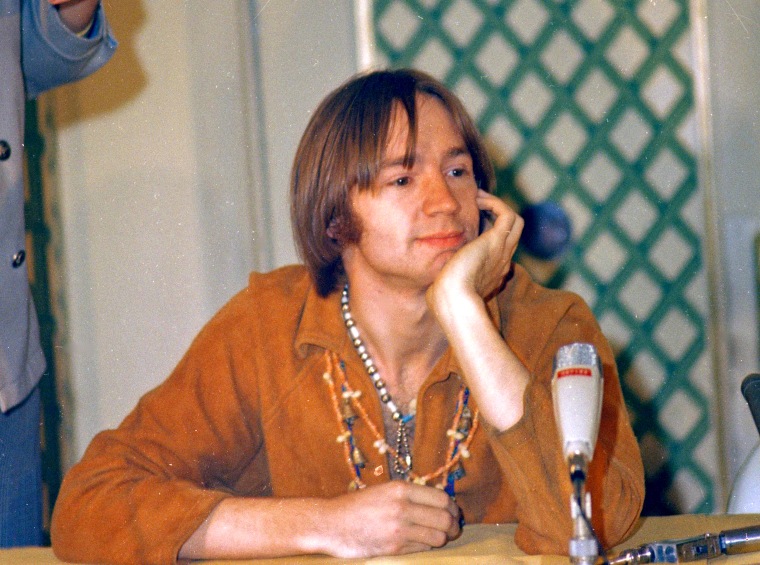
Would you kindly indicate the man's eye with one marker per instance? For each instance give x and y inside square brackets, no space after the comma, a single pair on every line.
[401,181]
[458,172]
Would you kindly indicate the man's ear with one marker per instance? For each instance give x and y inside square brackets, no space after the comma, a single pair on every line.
[334,229]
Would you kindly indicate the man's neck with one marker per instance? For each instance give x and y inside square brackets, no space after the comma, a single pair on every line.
[401,334]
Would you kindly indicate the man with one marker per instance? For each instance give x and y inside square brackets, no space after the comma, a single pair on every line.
[363,405]
[41,46]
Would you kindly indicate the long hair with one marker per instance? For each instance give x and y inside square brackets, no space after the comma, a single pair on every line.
[342,148]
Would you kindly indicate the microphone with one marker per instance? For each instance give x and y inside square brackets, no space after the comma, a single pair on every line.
[751,393]
[577,394]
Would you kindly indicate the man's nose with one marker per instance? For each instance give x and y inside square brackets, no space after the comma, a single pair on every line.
[439,197]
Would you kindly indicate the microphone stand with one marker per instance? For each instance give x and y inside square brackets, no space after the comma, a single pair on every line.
[584,548]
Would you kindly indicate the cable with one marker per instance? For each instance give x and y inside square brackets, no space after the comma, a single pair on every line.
[578,501]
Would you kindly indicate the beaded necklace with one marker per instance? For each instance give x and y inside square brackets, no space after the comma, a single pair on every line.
[402,460]
[348,408]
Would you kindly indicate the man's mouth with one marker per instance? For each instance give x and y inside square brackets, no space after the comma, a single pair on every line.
[444,240]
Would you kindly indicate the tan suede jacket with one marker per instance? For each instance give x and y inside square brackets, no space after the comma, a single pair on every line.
[247,412]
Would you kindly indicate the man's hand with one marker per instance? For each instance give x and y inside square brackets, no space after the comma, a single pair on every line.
[481,265]
[478,269]
[391,519]
[76,14]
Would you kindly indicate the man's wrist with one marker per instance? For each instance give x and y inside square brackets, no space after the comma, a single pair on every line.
[449,298]
[318,532]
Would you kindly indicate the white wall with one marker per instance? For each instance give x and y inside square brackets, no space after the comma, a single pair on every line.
[171,169]
[733,35]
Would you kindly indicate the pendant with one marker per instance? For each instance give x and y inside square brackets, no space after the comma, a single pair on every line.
[358,458]
[347,412]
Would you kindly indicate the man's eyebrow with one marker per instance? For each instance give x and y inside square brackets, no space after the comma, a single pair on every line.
[400,161]
[397,162]
[457,151]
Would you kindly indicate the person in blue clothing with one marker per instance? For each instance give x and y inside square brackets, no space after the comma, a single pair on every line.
[43,44]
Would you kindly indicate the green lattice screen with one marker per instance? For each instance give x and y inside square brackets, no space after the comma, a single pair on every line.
[589,103]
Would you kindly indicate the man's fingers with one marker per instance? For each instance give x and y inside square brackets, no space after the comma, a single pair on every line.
[434,518]
[433,509]
[503,215]
[430,496]
[427,537]
[491,203]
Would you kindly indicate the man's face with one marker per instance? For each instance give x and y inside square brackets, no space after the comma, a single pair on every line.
[414,219]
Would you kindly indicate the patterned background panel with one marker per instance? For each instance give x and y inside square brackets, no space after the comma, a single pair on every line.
[589,104]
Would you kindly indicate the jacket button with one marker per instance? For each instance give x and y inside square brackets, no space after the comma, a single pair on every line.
[18,259]
[5,150]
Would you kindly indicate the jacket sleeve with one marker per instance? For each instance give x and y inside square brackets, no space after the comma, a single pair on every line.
[51,55]
[531,456]
[141,490]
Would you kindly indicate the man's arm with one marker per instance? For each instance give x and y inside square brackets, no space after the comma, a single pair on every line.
[159,486]
[496,377]
[76,14]
[516,400]
[388,519]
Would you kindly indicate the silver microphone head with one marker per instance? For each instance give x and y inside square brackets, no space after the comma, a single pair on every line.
[576,354]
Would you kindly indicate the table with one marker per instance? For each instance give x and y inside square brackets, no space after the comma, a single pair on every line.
[486,544]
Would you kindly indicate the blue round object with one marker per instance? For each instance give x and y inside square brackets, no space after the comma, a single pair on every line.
[547,232]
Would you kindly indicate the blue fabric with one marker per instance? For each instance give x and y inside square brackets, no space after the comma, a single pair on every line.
[52,55]
[21,474]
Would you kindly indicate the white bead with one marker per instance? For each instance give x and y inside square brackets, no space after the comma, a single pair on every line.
[381,446]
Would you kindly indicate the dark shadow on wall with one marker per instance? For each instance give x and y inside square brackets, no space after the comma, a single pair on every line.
[653,442]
